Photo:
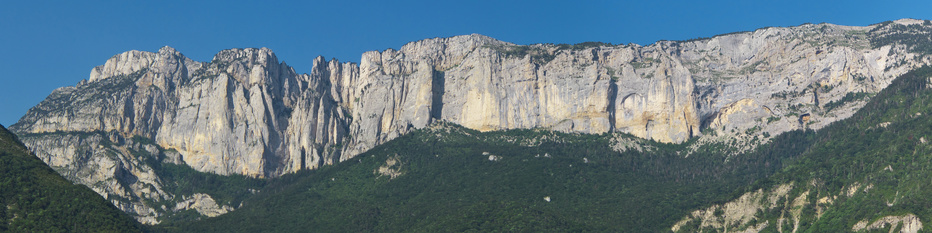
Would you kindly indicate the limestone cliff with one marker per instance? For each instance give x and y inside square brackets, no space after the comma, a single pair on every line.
[244,112]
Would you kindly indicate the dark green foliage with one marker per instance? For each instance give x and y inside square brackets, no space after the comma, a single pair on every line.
[513,51]
[449,185]
[893,159]
[541,54]
[906,103]
[537,54]
[915,37]
[184,181]
[33,198]
[180,180]
[848,98]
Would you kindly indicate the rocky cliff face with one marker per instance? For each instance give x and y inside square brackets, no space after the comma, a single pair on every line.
[244,112]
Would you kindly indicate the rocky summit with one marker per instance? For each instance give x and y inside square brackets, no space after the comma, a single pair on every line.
[247,113]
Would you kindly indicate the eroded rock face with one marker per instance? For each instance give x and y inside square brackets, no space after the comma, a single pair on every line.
[780,208]
[118,173]
[245,112]
[203,204]
[910,224]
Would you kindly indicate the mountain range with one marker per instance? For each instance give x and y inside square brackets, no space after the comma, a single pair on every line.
[168,139]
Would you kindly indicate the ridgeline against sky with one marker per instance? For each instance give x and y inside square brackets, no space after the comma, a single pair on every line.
[49,45]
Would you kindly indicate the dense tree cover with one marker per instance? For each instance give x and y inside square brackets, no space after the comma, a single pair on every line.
[883,152]
[450,184]
[885,145]
[915,37]
[34,198]
[183,181]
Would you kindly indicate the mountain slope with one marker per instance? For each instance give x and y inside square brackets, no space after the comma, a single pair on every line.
[867,172]
[33,198]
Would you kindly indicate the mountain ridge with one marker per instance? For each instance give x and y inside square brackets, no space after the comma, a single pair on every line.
[245,112]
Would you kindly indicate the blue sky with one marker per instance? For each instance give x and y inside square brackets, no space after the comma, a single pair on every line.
[50,44]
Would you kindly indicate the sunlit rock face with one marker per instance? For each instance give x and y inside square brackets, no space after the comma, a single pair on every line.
[245,112]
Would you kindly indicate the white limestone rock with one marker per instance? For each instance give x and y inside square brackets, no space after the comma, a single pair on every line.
[203,204]
[245,112]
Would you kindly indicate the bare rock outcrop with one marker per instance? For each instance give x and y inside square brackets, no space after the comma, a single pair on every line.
[787,208]
[203,204]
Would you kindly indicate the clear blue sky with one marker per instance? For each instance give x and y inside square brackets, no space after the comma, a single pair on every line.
[49,44]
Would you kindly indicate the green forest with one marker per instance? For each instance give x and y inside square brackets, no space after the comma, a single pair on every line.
[34,198]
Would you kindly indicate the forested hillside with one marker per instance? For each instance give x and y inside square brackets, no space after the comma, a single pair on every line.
[34,198]
[870,171]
